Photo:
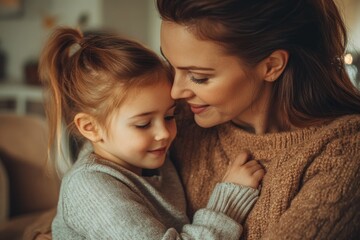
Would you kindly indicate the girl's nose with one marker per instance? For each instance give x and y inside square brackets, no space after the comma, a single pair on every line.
[162,133]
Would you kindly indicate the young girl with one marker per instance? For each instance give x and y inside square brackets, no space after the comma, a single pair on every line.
[115,93]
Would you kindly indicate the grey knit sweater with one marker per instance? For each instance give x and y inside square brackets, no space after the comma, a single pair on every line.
[102,200]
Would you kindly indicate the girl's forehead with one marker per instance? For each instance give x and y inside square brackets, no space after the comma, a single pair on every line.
[153,97]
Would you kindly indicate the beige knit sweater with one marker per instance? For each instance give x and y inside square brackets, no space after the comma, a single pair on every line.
[312,186]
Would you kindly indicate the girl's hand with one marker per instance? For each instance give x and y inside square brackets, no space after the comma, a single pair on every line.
[244,172]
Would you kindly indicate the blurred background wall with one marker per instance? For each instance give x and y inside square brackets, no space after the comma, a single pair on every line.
[23,31]
[350,10]
[25,25]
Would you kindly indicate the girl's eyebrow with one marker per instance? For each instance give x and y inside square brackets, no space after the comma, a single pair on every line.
[149,113]
[188,67]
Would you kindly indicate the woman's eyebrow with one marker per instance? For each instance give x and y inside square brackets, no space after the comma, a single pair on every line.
[195,68]
[191,67]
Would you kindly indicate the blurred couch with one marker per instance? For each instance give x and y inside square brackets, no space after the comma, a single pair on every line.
[28,183]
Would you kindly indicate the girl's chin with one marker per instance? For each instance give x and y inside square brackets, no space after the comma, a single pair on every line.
[156,162]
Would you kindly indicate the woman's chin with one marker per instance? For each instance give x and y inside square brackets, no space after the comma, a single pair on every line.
[205,123]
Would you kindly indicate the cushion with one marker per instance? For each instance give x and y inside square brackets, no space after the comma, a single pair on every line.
[31,188]
[4,193]
[33,184]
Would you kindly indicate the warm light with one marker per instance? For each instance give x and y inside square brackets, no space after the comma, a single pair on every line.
[348,59]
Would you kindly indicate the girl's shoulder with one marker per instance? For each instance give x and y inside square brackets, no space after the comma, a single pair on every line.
[89,169]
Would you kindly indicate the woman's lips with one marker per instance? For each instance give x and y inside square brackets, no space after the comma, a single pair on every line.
[197,109]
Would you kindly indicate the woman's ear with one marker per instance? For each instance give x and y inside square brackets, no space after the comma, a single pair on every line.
[275,65]
[88,127]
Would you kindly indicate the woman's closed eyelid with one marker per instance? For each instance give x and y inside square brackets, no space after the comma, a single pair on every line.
[198,80]
[170,117]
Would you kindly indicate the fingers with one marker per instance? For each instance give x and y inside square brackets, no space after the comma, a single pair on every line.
[252,166]
[245,172]
[242,158]
[259,174]
[255,179]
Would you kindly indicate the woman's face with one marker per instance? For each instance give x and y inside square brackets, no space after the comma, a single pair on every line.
[217,87]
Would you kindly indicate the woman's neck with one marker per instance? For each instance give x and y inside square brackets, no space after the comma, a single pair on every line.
[261,126]
[261,117]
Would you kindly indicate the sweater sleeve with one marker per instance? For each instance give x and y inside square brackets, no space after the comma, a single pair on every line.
[225,212]
[327,205]
[98,206]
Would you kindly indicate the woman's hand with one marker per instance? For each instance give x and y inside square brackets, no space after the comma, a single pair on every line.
[244,172]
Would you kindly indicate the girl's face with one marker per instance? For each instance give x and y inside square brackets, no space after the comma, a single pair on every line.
[217,87]
[142,130]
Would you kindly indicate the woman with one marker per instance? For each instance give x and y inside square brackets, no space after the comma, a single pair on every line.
[268,76]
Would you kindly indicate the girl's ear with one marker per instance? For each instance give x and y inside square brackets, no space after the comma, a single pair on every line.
[88,127]
[275,65]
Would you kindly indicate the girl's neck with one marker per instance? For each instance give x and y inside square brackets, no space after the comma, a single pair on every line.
[109,157]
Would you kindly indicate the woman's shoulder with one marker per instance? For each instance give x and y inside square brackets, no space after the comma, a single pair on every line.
[340,142]
[347,125]
[347,128]
[352,120]
[341,135]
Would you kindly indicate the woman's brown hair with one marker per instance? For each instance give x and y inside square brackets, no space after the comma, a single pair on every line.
[91,74]
[314,87]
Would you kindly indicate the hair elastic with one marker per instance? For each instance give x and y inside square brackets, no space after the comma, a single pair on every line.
[74,48]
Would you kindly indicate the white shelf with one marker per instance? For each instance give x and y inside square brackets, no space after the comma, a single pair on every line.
[21,94]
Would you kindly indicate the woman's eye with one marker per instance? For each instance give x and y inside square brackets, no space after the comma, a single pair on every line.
[142,126]
[169,118]
[198,80]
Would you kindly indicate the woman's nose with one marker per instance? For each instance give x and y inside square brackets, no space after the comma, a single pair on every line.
[180,88]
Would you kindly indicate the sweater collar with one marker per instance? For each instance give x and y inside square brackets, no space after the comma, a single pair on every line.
[234,139]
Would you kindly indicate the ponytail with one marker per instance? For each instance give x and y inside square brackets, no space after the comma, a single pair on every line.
[54,66]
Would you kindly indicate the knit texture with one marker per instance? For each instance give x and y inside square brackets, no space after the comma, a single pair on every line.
[102,200]
[311,187]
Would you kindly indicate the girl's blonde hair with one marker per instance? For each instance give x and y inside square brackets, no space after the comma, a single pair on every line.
[92,74]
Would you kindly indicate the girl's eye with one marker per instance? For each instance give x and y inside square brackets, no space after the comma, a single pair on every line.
[198,80]
[143,126]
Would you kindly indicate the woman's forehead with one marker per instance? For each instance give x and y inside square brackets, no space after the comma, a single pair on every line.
[182,48]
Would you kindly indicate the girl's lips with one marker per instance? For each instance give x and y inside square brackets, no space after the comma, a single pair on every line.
[197,109]
[159,151]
